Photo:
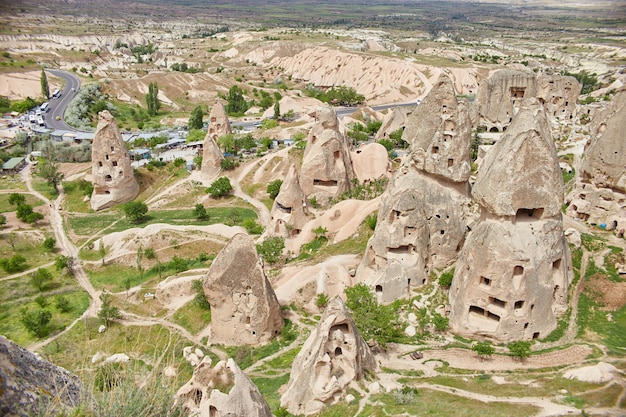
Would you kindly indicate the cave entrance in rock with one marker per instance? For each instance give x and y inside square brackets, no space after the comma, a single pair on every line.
[338,351]
[379,289]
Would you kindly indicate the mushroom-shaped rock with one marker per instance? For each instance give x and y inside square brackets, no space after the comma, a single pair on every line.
[439,132]
[221,391]
[288,215]
[334,355]
[113,177]
[244,307]
[326,168]
[520,175]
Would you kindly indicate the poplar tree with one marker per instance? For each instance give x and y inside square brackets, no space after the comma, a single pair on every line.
[152,99]
[45,88]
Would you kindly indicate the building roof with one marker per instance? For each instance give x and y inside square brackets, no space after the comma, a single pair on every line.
[12,163]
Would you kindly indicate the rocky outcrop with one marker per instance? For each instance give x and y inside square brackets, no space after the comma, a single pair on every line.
[334,355]
[370,162]
[423,213]
[326,166]
[219,125]
[244,307]
[501,95]
[212,155]
[221,391]
[395,119]
[288,215]
[599,195]
[512,275]
[113,177]
[30,385]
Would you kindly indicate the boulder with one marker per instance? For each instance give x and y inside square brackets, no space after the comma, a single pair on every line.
[289,212]
[334,355]
[326,168]
[221,391]
[113,177]
[244,307]
[370,162]
[513,273]
[29,384]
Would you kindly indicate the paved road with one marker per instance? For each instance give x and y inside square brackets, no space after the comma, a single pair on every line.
[57,105]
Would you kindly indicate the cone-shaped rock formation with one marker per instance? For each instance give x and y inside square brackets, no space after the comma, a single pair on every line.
[512,276]
[423,213]
[326,166]
[221,391]
[334,355]
[113,177]
[244,307]
[288,215]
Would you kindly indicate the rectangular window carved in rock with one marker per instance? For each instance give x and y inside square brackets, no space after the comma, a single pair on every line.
[485,281]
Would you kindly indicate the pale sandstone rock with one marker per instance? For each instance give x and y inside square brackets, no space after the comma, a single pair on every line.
[326,168]
[244,308]
[289,211]
[513,273]
[113,177]
[423,215]
[370,162]
[439,132]
[501,95]
[410,331]
[28,383]
[395,119]
[219,125]
[221,391]
[334,355]
[595,374]
[573,237]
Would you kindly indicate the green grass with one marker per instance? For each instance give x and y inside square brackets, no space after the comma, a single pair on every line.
[439,404]
[269,386]
[192,317]
[74,198]
[90,224]
[5,207]
[42,186]
[113,277]
[28,247]
[592,243]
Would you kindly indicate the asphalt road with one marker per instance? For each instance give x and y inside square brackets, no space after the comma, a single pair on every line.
[57,105]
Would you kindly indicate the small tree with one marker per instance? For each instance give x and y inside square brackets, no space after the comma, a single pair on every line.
[45,88]
[195,119]
[135,210]
[220,187]
[12,239]
[273,188]
[152,99]
[320,232]
[108,312]
[62,304]
[16,199]
[321,301]
[40,278]
[36,321]
[3,220]
[50,172]
[445,280]
[271,249]
[441,323]
[26,214]
[49,244]
[519,349]
[15,263]
[276,110]
[200,298]
[484,350]
[64,262]
[200,212]
[102,251]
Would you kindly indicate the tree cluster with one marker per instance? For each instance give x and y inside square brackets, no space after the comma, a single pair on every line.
[337,96]
[152,99]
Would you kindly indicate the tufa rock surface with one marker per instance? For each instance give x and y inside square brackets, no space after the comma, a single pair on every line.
[326,168]
[599,194]
[219,125]
[221,391]
[334,355]
[113,177]
[244,307]
[512,276]
[439,132]
[288,215]
[370,162]
[29,384]
[501,95]
[212,157]
[395,119]
[422,220]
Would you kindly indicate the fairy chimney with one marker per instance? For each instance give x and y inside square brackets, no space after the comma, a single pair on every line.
[288,215]
[326,166]
[221,391]
[423,215]
[113,177]
[332,357]
[219,125]
[244,307]
[212,157]
[511,280]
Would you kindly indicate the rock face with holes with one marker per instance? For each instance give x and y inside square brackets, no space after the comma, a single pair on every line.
[221,391]
[212,155]
[326,168]
[29,384]
[334,355]
[244,307]
[394,120]
[513,273]
[422,220]
[113,177]
[501,95]
[599,195]
[288,215]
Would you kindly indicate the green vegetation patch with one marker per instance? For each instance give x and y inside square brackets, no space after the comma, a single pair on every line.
[192,317]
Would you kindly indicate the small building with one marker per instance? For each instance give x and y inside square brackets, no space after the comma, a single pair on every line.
[13,165]
[139,154]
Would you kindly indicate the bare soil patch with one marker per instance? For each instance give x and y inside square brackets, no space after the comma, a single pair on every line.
[610,295]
